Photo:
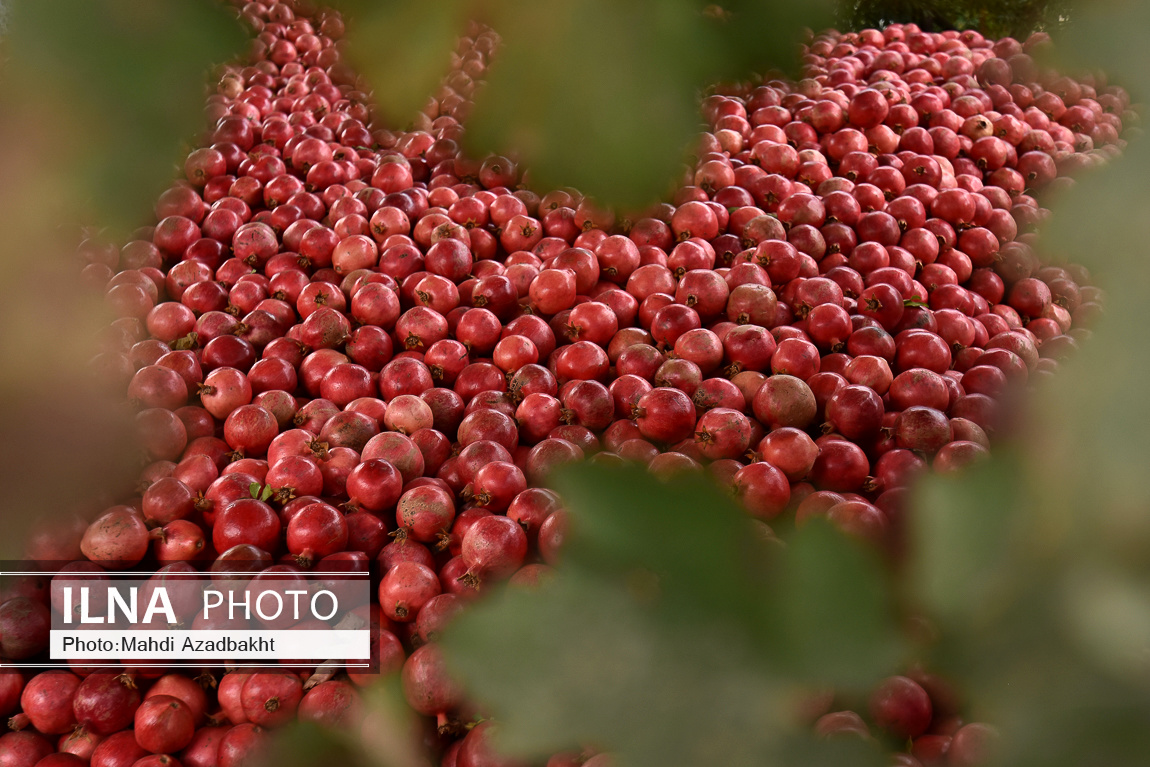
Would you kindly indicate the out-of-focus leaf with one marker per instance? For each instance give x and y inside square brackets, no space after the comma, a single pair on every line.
[592,94]
[804,749]
[962,528]
[1036,565]
[1108,35]
[305,744]
[391,734]
[659,640]
[1090,452]
[581,661]
[1108,614]
[831,611]
[388,736]
[403,49]
[700,548]
[755,37]
[97,96]
[123,84]
[1089,228]
[603,96]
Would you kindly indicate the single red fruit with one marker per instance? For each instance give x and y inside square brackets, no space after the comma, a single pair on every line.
[665,415]
[494,547]
[901,707]
[164,724]
[106,703]
[47,701]
[270,699]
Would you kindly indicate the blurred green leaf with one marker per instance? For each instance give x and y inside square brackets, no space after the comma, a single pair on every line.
[388,736]
[1108,35]
[604,96]
[831,610]
[391,734]
[1090,228]
[592,94]
[304,744]
[756,37]
[660,640]
[98,96]
[700,548]
[123,83]
[1107,615]
[403,49]
[580,662]
[1036,563]
[962,527]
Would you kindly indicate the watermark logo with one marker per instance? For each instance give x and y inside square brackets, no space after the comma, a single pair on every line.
[196,620]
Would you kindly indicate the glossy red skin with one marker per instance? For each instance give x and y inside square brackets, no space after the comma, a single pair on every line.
[164,724]
[270,699]
[106,703]
[494,547]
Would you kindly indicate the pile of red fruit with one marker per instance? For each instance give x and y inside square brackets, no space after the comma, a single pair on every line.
[395,345]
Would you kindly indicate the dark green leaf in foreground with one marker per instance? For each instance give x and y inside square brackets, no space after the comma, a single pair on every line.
[98,96]
[830,610]
[762,37]
[672,633]
[305,744]
[963,533]
[391,735]
[121,83]
[403,49]
[603,95]
[388,736]
[1101,37]
[701,551]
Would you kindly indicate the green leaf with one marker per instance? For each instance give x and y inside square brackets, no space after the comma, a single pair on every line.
[115,86]
[666,635]
[592,94]
[755,37]
[685,538]
[304,744]
[403,50]
[1034,564]
[916,304]
[254,490]
[1107,616]
[386,737]
[186,343]
[961,534]
[390,735]
[603,96]
[1108,37]
[267,493]
[832,618]
[580,661]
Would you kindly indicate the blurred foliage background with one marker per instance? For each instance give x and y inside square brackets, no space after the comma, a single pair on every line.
[598,95]
[1033,571]
[993,18]
[100,101]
